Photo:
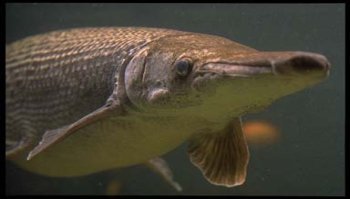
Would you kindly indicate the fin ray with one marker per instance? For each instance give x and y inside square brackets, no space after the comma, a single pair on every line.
[162,168]
[222,156]
[52,137]
[13,147]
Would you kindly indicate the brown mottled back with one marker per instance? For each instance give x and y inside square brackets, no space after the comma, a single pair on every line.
[54,79]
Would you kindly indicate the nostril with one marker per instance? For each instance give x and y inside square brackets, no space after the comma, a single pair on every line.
[303,64]
[307,64]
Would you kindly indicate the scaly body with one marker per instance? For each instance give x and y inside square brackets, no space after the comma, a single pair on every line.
[101,98]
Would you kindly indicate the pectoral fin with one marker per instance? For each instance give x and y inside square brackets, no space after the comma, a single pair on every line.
[161,167]
[221,156]
[54,136]
[13,147]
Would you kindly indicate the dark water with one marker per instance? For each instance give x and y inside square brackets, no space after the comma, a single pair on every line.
[309,157]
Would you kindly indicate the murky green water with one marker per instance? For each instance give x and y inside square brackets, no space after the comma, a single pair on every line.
[308,159]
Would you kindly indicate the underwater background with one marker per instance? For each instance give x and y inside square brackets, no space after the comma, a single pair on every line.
[308,158]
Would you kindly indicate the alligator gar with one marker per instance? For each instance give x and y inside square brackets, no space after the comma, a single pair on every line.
[85,100]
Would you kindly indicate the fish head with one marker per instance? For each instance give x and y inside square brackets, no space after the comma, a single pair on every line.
[254,80]
[218,74]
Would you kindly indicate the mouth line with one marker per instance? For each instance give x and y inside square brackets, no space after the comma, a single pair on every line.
[235,69]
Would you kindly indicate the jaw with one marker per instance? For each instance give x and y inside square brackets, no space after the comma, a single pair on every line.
[220,89]
[252,82]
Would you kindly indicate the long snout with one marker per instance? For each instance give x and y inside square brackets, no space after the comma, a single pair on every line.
[276,63]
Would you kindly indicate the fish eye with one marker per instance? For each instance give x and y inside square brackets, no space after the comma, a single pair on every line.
[183,67]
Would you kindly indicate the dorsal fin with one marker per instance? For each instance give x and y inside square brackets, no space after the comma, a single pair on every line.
[221,156]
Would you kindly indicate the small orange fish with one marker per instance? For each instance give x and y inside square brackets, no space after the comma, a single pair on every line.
[260,132]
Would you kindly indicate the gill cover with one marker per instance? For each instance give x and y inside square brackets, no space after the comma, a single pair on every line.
[157,77]
[146,78]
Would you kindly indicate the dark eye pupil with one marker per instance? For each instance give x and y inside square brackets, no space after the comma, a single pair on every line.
[183,67]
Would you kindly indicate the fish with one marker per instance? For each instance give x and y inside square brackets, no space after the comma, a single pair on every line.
[85,100]
[260,133]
